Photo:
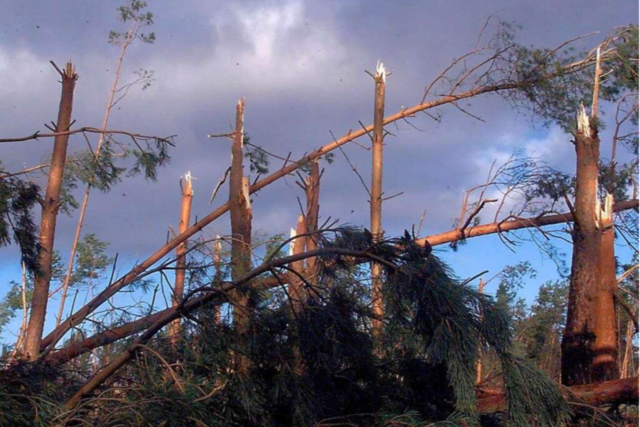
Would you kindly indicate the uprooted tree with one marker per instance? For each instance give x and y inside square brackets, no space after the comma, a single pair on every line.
[351,327]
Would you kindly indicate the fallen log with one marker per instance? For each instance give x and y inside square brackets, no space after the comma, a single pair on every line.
[624,391]
[114,334]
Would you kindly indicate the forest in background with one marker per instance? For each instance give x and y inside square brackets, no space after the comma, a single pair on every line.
[334,324]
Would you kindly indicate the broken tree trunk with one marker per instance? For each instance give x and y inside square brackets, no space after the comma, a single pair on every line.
[240,210]
[50,206]
[312,193]
[605,362]
[81,314]
[181,253]
[578,343]
[297,247]
[376,196]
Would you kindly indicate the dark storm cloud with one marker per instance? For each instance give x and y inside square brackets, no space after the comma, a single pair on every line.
[300,66]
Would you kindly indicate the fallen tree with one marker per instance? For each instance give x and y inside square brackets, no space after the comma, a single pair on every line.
[624,391]
[77,348]
[507,84]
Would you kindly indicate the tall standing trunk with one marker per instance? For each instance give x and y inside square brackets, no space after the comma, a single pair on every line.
[50,206]
[312,193]
[376,195]
[578,343]
[175,328]
[240,210]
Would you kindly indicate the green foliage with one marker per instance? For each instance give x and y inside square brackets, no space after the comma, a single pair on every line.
[259,162]
[30,393]
[91,261]
[318,362]
[17,199]
[147,159]
[133,11]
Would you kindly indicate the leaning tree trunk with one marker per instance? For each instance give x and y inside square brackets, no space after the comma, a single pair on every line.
[578,343]
[240,210]
[181,253]
[376,196]
[50,206]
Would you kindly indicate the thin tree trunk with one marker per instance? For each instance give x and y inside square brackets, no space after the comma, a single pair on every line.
[479,363]
[185,214]
[50,207]
[312,193]
[578,343]
[376,196]
[628,346]
[240,210]
[87,191]
[25,313]
[217,265]
[296,289]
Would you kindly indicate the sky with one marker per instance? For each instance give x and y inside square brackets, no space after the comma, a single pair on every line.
[300,66]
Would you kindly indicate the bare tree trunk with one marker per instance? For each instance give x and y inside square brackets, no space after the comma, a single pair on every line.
[628,346]
[376,195]
[479,363]
[181,251]
[605,362]
[312,193]
[25,313]
[87,191]
[296,289]
[578,343]
[217,265]
[50,206]
[240,210]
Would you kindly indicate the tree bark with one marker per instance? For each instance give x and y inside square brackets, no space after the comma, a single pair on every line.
[217,264]
[376,197]
[312,193]
[296,288]
[605,362]
[240,210]
[185,214]
[608,392]
[578,343]
[50,207]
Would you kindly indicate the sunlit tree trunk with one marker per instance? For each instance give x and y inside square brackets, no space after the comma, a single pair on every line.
[241,215]
[312,193]
[376,195]
[296,288]
[605,362]
[50,206]
[181,251]
[578,343]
